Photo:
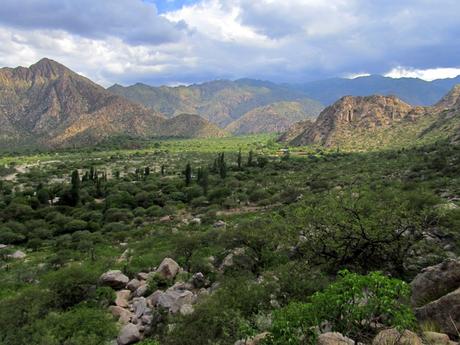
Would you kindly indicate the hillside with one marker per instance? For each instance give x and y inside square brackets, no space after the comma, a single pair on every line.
[221,101]
[189,126]
[50,105]
[373,122]
[411,90]
[276,117]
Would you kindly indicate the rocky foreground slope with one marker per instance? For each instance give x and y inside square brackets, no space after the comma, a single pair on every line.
[51,105]
[378,122]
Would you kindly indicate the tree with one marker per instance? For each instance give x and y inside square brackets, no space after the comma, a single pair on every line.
[251,158]
[188,174]
[204,180]
[147,171]
[222,166]
[239,160]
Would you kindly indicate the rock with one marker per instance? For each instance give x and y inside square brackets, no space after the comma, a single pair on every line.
[124,257]
[334,338]
[139,306]
[165,219]
[122,315]
[133,285]
[129,334]
[186,309]
[394,337]
[122,299]
[257,339]
[17,255]
[3,246]
[434,338]
[198,280]
[173,300]
[152,300]
[228,260]
[219,224]
[168,268]
[435,281]
[196,221]
[444,312]
[115,279]
[141,291]
[143,276]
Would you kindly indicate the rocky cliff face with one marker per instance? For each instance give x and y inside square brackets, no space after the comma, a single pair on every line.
[49,104]
[377,119]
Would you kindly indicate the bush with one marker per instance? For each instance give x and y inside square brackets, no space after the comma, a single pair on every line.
[81,325]
[350,306]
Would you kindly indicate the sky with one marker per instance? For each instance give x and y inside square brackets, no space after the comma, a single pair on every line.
[175,42]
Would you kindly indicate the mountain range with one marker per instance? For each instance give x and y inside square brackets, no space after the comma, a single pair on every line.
[376,122]
[241,107]
[411,90]
[48,104]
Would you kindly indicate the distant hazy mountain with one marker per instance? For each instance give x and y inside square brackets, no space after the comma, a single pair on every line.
[276,117]
[411,90]
[221,102]
[49,104]
[376,122]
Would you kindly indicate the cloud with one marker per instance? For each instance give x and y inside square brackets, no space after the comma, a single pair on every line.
[127,41]
[427,74]
[133,21]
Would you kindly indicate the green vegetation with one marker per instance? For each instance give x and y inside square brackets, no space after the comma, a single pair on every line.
[292,224]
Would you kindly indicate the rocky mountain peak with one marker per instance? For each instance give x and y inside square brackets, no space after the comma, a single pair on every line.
[450,101]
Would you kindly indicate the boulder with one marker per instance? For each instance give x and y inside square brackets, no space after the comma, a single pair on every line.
[173,300]
[258,339]
[219,224]
[139,306]
[3,246]
[198,280]
[18,255]
[121,314]
[434,338]
[141,290]
[334,338]
[435,281]
[152,300]
[122,298]
[444,312]
[186,309]
[115,279]
[129,334]
[133,284]
[393,337]
[168,268]
[196,221]
[165,219]
[143,276]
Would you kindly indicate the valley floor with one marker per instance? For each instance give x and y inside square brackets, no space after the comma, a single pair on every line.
[269,232]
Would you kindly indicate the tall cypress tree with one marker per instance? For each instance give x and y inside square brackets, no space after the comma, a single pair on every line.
[188,174]
[251,158]
[239,160]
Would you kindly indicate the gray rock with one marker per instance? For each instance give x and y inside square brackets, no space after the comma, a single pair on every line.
[198,280]
[115,279]
[173,300]
[18,255]
[219,224]
[186,309]
[393,337]
[143,276]
[140,306]
[133,285]
[334,338]
[444,312]
[435,281]
[129,334]
[142,290]
[168,268]
[3,246]
[152,300]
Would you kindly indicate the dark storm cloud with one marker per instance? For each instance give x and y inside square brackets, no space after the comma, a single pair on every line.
[134,21]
